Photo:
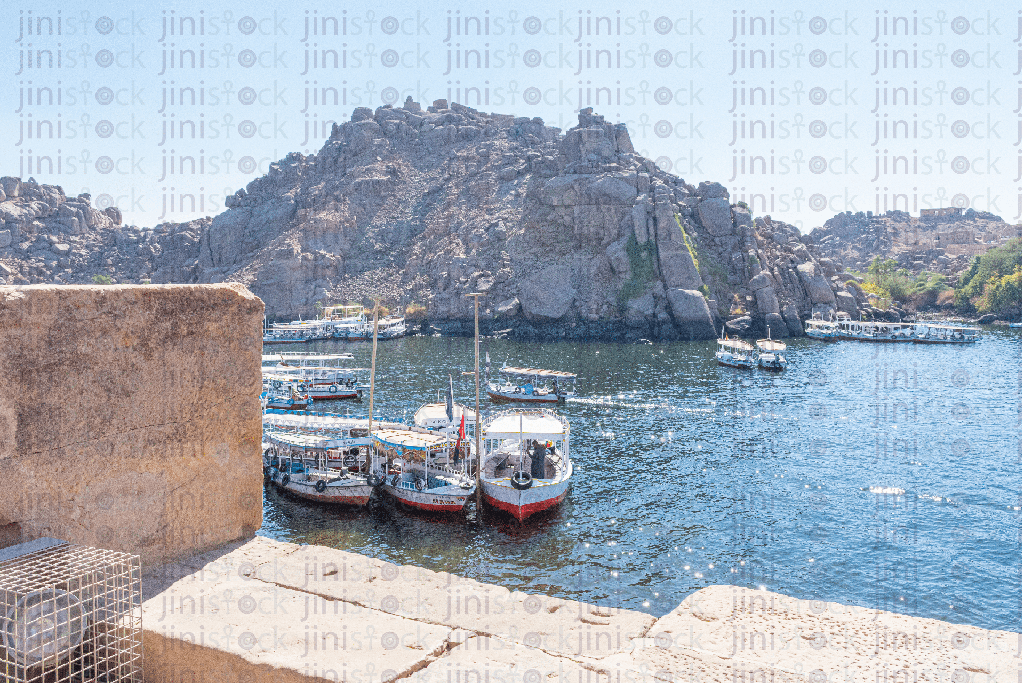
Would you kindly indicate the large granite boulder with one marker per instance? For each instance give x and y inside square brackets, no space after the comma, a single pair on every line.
[547,294]
[691,314]
[817,287]
[716,216]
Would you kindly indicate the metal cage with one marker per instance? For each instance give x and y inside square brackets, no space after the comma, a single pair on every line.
[69,613]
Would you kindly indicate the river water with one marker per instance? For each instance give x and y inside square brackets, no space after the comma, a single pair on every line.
[878,475]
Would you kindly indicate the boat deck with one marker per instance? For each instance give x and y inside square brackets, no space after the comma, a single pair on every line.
[490,472]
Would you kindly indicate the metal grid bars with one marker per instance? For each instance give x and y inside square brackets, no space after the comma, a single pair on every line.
[71,613]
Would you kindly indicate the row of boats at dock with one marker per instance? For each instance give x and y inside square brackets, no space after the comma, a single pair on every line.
[769,354]
[430,465]
[349,322]
[843,327]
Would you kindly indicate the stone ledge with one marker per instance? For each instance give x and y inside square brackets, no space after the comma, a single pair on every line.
[265,610]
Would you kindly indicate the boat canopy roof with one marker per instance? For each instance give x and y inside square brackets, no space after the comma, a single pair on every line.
[537,372]
[439,411]
[417,441]
[301,439]
[535,424]
[955,328]
[286,357]
[770,345]
[737,344]
[313,421]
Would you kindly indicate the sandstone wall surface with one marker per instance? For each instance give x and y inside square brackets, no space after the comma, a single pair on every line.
[264,610]
[130,415]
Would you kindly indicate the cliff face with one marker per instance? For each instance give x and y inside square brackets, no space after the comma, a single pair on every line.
[569,235]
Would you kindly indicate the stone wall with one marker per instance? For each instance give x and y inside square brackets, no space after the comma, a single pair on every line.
[130,415]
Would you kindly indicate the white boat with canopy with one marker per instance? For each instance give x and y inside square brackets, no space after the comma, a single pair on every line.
[423,470]
[946,333]
[323,375]
[736,353]
[873,331]
[531,385]
[822,329]
[301,464]
[770,354]
[297,332]
[527,467]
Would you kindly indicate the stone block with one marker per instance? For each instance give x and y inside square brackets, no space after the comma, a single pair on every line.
[134,412]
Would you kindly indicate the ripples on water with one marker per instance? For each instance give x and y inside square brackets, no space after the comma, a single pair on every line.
[878,475]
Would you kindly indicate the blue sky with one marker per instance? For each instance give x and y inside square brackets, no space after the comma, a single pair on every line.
[123,126]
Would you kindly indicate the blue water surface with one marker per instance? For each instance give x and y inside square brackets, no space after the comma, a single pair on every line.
[878,475]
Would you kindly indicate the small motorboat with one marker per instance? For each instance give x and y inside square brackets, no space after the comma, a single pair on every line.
[532,385]
[735,353]
[284,395]
[769,355]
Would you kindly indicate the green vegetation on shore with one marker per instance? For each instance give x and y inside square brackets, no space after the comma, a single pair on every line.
[993,283]
[892,284]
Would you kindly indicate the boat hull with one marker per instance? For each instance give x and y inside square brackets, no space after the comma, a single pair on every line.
[524,503]
[433,500]
[525,398]
[353,493]
[738,364]
[822,337]
[946,341]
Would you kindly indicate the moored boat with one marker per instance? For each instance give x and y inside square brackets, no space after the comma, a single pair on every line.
[423,470]
[822,329]
[283,394]
[735,353]
[298,464]
[527,467]
[874,331]
[323,376]
[770,354]
[928,333]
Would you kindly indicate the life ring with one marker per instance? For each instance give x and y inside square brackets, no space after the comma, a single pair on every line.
[521,481]
[349,460]
[420,484]
[321,486]
[334,389]
[285,479]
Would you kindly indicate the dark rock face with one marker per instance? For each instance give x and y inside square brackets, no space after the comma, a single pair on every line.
[570,235]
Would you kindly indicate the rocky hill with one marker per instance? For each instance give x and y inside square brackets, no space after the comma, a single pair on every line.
[943,242]
[570,235]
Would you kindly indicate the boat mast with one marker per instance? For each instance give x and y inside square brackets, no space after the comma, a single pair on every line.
[373,361]
[477,423]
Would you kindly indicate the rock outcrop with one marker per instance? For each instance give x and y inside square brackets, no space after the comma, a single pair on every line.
[944,242]
[587,237]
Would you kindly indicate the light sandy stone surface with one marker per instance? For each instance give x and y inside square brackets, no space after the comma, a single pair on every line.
[266,610]
[130,415]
